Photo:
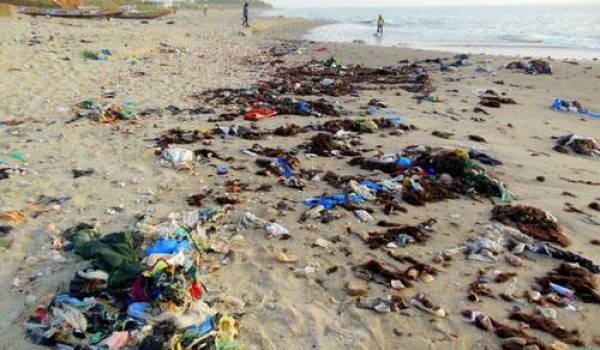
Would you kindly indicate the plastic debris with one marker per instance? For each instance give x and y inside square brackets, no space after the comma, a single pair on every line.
[562,105]
[178,158]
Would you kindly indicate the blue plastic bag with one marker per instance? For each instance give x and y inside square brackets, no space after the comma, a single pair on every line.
[222,170]
[329,202]
[168,246]
[394,117]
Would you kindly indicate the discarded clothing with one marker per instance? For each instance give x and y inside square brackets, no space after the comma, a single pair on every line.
[114,253]
[579,144]
[531,67]
[562,105]
[329,202]
[258,114]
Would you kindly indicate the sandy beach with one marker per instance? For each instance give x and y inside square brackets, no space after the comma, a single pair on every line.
[157,65]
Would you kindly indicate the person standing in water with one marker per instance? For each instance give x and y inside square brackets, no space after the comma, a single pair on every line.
[380,24]
[246,13]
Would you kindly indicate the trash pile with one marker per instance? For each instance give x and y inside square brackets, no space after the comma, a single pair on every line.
[430,175]
[127,298]
[497,240]
[399,235]
[9,171]
[574,107]
[262,97]
[145,290]
[323,78]
[514,338]
[531,67]
[571,282]
[316,79]
[324,145]
[560,287]
[101,55]
[578,144]
[340,128]
[106,113]
[395,279]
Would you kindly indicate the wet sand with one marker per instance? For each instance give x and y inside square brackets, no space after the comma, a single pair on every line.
[44,75]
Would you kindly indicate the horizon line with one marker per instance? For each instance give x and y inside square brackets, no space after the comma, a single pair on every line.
[566,2]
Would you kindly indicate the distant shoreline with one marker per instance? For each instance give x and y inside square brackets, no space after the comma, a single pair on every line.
[359,29]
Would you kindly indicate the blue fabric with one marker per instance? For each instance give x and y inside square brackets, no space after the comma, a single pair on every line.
[394,117]
[483,158]
[329,202]
[558,104]
[168,246]
[373,111]
[561,105]
[303,107]
[404,162]
[138,310]
[287,169]
[372,185]
[202,329]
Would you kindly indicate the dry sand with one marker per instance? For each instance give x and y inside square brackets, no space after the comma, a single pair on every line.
[43,80]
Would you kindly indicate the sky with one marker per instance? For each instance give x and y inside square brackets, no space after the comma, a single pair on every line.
[362,3]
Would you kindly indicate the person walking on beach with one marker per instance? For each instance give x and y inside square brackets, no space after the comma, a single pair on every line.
[246,13]
[205,10]
[380,24]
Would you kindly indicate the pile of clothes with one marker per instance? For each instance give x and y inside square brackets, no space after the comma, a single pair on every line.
[278,93]
[106,113]
[531,67]
[150,299]
[430,175]
[578,144]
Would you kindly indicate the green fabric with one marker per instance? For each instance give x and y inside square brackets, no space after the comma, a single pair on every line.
[88,104]
[367,126]
[227,345]
[97,337]
[113,253]
[455,165]
[483,184]
[90,55]
[509,197]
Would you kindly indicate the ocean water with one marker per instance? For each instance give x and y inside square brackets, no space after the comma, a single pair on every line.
[561,31]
